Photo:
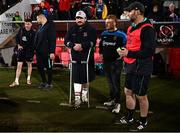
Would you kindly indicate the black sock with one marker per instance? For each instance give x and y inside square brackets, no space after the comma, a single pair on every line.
[143,119]
[130,113]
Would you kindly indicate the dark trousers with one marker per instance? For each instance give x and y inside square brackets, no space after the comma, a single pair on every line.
[113,73]
[42,64]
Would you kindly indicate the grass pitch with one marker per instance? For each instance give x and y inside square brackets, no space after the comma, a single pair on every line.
[27,108]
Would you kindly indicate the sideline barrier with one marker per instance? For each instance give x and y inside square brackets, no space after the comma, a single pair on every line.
[168,33]
[168,36]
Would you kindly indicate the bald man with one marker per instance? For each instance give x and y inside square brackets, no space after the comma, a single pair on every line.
[45,42]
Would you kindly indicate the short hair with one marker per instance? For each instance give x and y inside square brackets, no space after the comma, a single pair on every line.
[111,16]
[40,13]
[28,20]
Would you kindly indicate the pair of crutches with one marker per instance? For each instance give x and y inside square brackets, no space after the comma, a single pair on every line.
[87,74]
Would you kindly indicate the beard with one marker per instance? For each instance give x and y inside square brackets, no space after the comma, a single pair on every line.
[109,28]
[132,19]
[79,23]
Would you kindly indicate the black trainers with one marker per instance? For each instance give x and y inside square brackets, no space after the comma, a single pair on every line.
[138,126]
[42,85]
[141,125]
[125,121]
[109,103]
[48,87]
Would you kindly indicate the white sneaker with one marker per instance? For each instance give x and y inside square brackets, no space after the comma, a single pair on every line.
[14,84]
[29,82]
[109,103]
[125,121]
[77,102]
[116,108]
[84,97]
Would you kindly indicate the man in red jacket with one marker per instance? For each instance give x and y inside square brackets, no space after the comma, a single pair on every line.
[64,9]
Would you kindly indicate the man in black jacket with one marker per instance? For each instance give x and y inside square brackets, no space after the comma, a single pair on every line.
[45,42]
[138,55]
[80,38]
[25,51]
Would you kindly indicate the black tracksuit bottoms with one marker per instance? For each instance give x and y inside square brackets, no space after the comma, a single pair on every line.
[42,64]
[113,74]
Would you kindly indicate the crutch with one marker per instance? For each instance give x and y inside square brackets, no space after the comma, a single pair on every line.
[87,74]
[70,85]
[87,70]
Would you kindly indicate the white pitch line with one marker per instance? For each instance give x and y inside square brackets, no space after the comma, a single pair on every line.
[4,98]
[65,104]
[33,101]
[101,107]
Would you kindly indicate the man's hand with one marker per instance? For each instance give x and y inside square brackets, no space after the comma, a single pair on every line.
[101,56]
[77,47]
[52,56]
[20,47]
[123,52]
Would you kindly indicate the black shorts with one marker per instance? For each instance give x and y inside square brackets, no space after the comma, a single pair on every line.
[137,83]
[22,56]
[79,73]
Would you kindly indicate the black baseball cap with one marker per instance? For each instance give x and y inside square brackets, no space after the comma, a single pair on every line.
[135,6]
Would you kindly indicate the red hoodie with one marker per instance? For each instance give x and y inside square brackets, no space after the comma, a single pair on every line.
[64,5]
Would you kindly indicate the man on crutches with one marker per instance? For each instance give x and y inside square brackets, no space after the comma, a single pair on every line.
[81,39]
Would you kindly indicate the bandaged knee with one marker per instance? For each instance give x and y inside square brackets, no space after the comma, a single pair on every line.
[77,89]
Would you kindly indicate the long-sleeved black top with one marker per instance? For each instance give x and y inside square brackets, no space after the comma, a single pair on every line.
[86,36]
[45,40]
[109,43]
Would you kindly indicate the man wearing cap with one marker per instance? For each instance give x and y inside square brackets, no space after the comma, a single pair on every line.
[137,55]
[25,52]
[80,38]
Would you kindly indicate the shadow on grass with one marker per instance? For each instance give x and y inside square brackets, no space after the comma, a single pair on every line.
[8,106]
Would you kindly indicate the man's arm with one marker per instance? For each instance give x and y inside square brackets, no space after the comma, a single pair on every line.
[67,40]
[52,37]
[18,37]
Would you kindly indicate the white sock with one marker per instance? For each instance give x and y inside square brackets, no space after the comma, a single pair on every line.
[28,77]
[85,91]
[77,90]
[17,80]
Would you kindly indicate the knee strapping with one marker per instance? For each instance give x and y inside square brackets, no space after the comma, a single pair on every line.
[77,88]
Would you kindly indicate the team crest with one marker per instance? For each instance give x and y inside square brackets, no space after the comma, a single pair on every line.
[115,38]
[85,34]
